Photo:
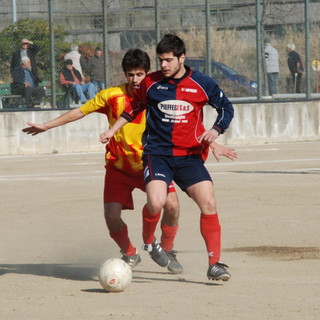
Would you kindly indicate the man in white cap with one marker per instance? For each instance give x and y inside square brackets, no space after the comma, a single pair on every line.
[76,57]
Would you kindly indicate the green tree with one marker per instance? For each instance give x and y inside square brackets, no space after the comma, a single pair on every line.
[37,31]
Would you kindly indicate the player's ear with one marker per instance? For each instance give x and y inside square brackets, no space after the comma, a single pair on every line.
[182,58]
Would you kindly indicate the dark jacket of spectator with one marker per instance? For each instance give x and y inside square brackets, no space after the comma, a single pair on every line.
[18,76]
[31,51]
[68,76]
[95,68]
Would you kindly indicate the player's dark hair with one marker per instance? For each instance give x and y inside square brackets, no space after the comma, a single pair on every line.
[171,43]
[134,59]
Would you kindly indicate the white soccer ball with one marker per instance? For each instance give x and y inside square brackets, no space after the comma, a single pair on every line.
[115,275]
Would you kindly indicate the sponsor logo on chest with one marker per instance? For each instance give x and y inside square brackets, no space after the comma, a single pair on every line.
[189,90]
[175,107]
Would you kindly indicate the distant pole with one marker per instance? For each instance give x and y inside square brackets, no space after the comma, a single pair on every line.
[307,45]
[52,56]
[258,45]
[208,39]
[105,44]
[14,11]
[157,26]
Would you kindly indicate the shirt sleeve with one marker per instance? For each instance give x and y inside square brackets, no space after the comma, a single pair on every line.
[221,103]
[97,104]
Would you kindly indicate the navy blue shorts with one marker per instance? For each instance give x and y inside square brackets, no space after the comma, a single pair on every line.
[184,171]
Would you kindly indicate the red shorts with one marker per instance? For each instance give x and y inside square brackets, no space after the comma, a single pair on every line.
[119,185]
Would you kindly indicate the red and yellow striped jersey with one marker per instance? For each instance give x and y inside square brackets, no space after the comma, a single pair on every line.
[124,151]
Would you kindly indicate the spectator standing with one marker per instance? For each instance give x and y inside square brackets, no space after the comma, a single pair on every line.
[295,67]
[78,61]
[25,83]
[272,66]
[95,69]
[28,49]
[71,79]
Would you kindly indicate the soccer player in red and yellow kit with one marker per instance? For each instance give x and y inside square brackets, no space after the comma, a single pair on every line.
[124,169]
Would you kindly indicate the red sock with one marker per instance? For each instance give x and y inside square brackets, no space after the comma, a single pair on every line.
[167,236]
[149,225]
[211,233]
[122,240]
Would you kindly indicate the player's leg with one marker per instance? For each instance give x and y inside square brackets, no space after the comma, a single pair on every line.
[202,193]
[156,197]
[118,230]
[118,196]
[192,177]
[157,178]
[169,228]
[170,221]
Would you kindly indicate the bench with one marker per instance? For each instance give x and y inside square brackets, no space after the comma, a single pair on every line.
[10,101]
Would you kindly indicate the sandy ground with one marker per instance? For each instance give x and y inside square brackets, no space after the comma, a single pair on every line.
[53,239]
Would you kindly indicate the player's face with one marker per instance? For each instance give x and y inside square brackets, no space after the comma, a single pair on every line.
[134,77]
[171,66]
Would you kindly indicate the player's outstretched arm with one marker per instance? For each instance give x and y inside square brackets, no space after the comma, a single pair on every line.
[69,116]
[221,151]
[107,135]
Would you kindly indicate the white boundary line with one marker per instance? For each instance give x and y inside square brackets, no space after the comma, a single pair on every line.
[236,163]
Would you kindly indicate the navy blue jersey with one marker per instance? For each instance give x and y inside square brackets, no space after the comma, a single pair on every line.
[175,112]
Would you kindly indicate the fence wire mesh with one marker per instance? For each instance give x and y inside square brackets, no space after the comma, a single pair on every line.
[232,46]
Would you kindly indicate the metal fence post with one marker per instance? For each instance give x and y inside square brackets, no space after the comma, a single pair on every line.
[157,26]
[52,56]
[258,47]
[105,44]
[307,39]
[208,39]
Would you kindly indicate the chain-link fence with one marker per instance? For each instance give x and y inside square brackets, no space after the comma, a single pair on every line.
[241,44]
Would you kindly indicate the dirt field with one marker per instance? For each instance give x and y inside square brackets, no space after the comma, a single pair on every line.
[53,239]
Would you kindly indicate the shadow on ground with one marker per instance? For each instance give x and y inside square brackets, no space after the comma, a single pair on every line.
[63,271]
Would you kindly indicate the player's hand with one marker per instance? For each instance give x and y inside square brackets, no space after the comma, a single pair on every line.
[106,136]
[222,151]
[35,128]
[208,136]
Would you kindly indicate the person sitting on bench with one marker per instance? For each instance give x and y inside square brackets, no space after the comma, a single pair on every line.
[25,83]
[71,80]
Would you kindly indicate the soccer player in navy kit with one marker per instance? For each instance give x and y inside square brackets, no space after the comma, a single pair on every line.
[175,141]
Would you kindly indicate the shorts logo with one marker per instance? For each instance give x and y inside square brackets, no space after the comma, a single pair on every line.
[146,172]
[159,175]
[175,107]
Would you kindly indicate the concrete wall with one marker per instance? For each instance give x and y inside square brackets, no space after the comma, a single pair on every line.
[252,124]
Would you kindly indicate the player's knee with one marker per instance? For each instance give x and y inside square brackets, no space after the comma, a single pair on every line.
[155,207]
[112,216]
[172,208]
[209,206]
